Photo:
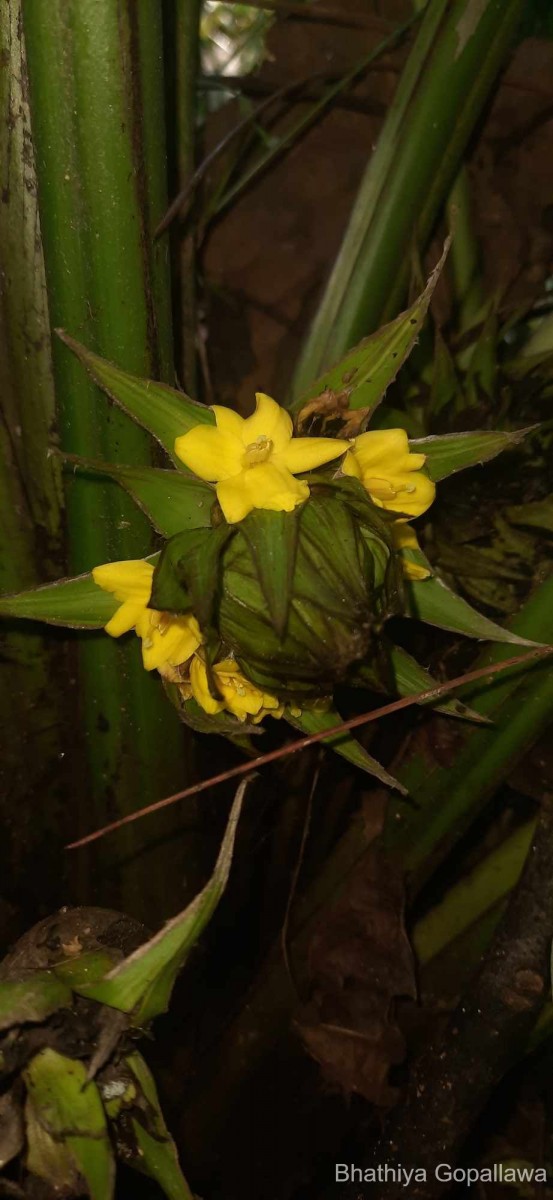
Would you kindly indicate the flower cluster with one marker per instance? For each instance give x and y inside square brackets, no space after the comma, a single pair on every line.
[254,463]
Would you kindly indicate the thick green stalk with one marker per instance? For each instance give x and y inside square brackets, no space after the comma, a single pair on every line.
[446,81]
[464,904]
[465,263]
[30,490]
[94,65]
[186,17]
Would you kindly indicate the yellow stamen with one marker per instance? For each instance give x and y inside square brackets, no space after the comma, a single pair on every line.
[258,451]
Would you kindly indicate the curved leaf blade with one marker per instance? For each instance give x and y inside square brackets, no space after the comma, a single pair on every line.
[160,409]
[451,452]
[430,600]
[76,603]
[171,501]
[366,372]
[142,984]
[343,744]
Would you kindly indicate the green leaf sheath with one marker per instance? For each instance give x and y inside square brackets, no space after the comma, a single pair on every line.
[273,541]
[188,574]
[101,168]
[365,373]
[446,81]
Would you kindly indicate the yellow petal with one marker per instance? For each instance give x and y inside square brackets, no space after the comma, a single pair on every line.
[171,643]
[414,571]
[303,454]
[417,495]
[381,448]
[351,465]
[265,486]
[228,421]
[129,580]
[404,536]
[210,453]
[125,618]
[269,420]
[200,688]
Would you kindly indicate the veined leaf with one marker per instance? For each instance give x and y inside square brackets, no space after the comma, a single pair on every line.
[430,600]
[171,501]
[76,603]
[187,575]
[31,999]
[343,743]
[163,411]
[156,1154]
[403,674]
[273,541]
[365,373]
[66,1126]
[142,984]
[451,452]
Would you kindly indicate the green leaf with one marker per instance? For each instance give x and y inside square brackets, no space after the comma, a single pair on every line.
[536,515]
[171,501]
[74,603]
[273,541]
[453,452]
[128,1088]
[365,373]
[411,678]
[160,409]
[86,967]
[430,600]
[343,743]
[32,999]
[187,575]
[66,1126]
[157,1152]
[142,984]
[445,388]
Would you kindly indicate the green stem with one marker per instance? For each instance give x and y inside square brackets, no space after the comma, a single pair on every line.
[446,81]
[464,904]
[464,255]
[30,495]
[93,66]
[187,52]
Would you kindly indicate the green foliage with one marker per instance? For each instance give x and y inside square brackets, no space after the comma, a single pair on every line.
[141,985]
[163,411]
[60,1098]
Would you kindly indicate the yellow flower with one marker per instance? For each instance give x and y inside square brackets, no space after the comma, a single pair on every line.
[405,538]
[167,641]
[381,459]
[239,696]
[253,461]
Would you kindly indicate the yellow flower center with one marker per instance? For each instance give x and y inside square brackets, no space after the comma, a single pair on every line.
[258,451]
[382,489]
